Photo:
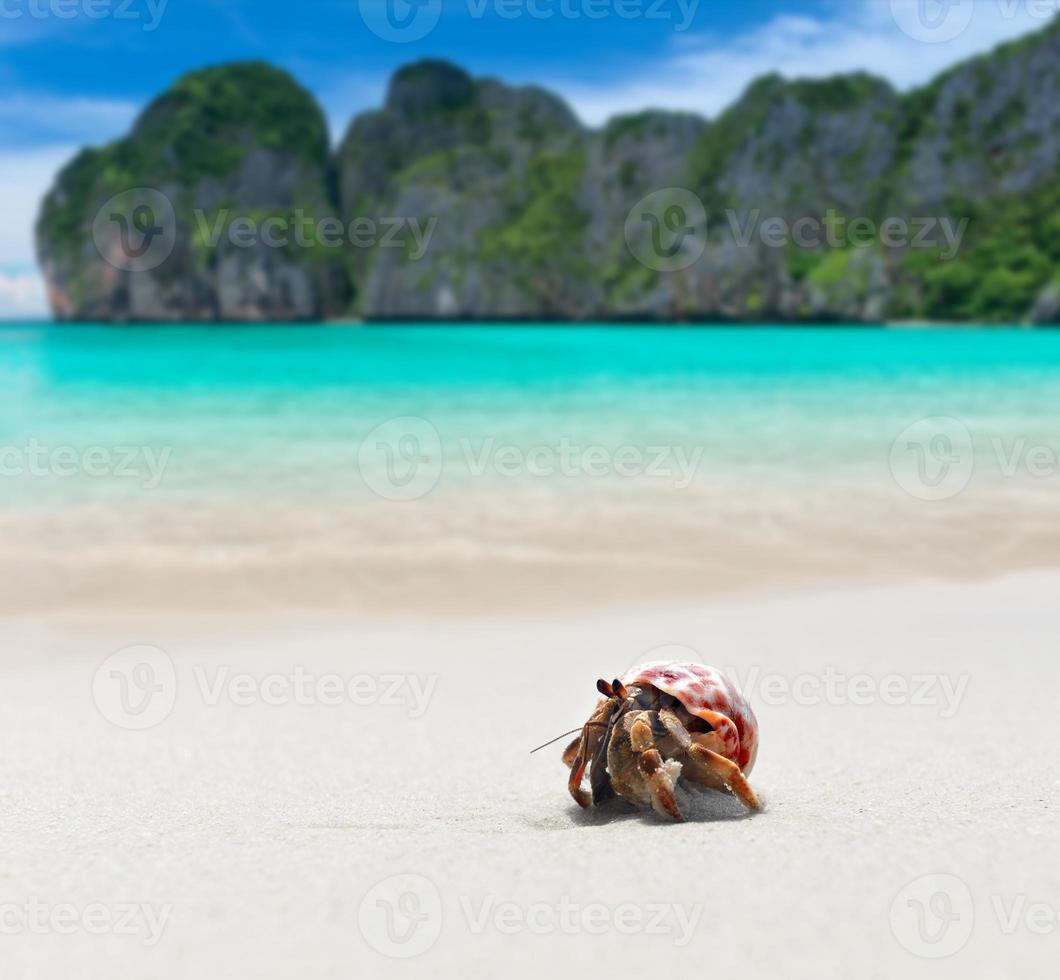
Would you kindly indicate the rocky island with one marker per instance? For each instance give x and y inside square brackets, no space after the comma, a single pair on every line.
[470,199]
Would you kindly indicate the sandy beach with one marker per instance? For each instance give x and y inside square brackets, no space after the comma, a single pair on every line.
[518,551]
[269,691]
[243,808]
[364,419]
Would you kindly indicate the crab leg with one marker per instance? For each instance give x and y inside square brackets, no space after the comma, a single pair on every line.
[650,763]
[599,777]
[587,744]
[714,741]
[577,771]
[710,769]
[673,725]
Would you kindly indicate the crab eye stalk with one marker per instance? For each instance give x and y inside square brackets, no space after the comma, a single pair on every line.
[604,688]
[619,689]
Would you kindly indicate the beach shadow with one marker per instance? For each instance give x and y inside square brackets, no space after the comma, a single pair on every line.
[698,807]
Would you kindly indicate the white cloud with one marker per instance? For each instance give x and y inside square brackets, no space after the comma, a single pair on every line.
[44,118]
[27,176]
[22,295]
[707,73]
[28,173]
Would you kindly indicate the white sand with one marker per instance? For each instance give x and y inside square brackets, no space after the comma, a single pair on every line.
[496,552]
[261,828]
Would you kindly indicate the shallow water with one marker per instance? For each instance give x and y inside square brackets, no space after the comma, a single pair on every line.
[331,464]
[282,412]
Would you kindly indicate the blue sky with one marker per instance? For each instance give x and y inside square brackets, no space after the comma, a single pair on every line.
[75,72]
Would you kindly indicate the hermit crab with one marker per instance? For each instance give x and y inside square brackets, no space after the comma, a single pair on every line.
[660,722]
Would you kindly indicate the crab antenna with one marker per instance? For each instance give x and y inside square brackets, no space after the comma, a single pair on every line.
[604,688]
[590,724]
[556,739]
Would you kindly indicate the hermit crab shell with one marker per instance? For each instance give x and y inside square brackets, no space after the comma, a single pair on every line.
[708,694]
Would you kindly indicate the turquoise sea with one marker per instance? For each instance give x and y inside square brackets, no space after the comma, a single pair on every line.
[376,465]
[280,411]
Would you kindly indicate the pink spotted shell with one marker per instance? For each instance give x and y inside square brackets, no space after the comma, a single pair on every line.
[710,695]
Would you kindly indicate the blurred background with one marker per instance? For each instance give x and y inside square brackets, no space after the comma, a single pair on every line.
[498,183]
[358,357]
[669,160]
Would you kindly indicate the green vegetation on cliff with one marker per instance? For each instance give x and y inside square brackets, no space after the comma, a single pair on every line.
[526,206]
[541,238]
[205,124]
[1011,253]
[202,127]
[243,138]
